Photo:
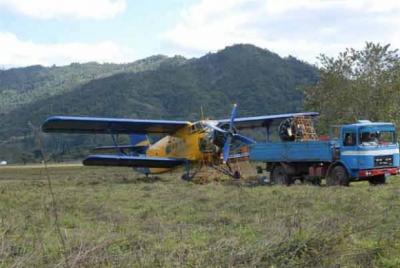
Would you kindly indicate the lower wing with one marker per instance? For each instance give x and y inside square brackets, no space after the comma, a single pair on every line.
[121,148]
[132,161]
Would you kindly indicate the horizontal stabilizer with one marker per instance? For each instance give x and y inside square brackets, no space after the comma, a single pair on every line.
[132,161]
[88,125]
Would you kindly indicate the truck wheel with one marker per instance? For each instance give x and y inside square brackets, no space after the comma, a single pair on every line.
[279,176]
[338,177]
[377,180]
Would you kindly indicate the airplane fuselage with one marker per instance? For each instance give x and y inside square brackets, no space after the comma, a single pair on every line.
[189,142]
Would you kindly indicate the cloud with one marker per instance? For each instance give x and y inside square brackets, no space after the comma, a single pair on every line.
[302,28]
[16,52]
[50,9]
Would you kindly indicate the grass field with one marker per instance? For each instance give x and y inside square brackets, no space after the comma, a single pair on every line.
[112,217]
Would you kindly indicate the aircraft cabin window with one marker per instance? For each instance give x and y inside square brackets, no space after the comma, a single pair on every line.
[349,139]
[197,127]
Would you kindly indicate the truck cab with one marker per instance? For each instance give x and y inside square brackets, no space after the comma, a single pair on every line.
[368,150]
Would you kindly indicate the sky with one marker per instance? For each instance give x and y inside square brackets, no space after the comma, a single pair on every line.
[58,32]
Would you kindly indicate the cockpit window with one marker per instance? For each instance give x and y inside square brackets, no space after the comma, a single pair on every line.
[370,138]
[198,126]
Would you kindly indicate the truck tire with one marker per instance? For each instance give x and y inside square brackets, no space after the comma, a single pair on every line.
[377,180]
[280,177]
[338,177]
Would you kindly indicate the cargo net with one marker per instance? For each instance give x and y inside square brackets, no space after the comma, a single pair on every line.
[299,128]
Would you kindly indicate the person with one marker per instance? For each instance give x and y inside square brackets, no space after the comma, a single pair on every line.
[349,140]
[369,138]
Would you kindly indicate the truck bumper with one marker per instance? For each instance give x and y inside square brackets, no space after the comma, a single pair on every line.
[365,173]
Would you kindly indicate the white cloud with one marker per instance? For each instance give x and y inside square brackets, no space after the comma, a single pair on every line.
[49,9]
[16,52]
[303,28]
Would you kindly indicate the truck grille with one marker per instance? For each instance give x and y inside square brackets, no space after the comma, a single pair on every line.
[383,160]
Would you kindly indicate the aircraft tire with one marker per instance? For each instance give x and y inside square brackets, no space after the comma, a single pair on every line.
[186,177]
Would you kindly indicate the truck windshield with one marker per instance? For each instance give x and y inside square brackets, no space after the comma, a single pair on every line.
[368,138]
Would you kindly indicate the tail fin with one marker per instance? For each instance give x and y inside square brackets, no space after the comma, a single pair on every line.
[139,140]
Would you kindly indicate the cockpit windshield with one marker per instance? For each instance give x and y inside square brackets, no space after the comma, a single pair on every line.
[197,127]
[371,138]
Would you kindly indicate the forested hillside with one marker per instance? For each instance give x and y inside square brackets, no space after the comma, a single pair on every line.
[20,86]
[258,80]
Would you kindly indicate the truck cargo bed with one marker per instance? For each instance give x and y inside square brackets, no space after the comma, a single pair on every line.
[305,151]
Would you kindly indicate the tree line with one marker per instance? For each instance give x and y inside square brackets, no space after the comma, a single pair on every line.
[357,84]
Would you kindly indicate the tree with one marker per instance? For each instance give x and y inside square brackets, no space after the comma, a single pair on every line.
[358,84]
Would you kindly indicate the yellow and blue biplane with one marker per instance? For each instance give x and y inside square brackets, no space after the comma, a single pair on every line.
[184,143]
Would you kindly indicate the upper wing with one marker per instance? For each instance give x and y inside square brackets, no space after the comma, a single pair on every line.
[262,121]
[132,161]
[72,124]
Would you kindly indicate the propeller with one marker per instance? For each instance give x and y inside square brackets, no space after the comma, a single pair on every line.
[230,135]
[217,128]
[243,139]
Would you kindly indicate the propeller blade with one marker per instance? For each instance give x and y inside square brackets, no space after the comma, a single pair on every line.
[217,128]
[226,148]
[233,116]
[243,139]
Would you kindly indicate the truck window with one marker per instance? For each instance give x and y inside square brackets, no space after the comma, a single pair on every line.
[370,138]
[387,137]
[334,133]
[349,139]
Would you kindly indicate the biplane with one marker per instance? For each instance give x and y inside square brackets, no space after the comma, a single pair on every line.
[183,143]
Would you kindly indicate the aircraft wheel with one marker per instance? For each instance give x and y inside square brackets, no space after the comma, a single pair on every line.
[186,177]
[338,177]
[280,177]
[236,175]
[377,180]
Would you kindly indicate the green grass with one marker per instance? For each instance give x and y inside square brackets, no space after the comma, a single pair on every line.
[112,217]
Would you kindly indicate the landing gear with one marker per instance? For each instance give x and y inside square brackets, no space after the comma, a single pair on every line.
[377,180]
[189,174]
[186,177]
[208,171]
[236,175]
[279,176]
[338,177]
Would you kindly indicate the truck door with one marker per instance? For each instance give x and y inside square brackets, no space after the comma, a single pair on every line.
[349,151]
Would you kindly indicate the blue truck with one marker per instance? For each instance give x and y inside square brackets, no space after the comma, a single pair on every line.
[361,151]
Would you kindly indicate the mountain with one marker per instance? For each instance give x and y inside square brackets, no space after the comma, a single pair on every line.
[19,86]
[261,82]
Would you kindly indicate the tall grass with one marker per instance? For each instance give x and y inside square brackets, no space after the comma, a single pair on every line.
[111,217]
